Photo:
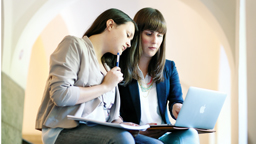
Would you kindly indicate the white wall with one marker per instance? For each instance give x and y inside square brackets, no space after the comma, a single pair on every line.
[22,27]
[26,24]
[196,30]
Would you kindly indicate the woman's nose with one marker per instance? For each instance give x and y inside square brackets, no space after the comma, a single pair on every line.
[128,44]
[154,39]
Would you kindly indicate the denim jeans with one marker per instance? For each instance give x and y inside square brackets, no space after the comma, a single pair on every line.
[189,136]
[99,134]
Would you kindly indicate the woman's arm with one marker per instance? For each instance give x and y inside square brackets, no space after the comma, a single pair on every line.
[65,63]
[175,96]
[112,78]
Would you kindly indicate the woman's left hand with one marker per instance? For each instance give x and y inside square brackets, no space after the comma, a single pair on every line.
[118,120]
[133,132]
[176,109]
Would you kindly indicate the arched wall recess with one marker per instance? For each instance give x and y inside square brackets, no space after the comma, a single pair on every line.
[207,15]
[21,55]
[226,31]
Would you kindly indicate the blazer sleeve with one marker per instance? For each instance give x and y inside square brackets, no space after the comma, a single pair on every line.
[175,91]
[64,66]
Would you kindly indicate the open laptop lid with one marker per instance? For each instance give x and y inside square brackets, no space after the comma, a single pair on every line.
[201,108]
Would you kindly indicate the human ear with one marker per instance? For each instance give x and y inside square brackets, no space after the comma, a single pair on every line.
[110,24]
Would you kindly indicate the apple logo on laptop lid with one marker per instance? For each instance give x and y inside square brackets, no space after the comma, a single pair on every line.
[202,109]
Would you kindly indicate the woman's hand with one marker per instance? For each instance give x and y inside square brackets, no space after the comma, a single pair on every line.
[176,109]
[129,123]
[118,120]
[133,132]
[112,78]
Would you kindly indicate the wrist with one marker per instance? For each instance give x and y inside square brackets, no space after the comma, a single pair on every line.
[118,120]
[105,88]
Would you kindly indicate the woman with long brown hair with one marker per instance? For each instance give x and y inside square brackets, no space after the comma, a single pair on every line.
[83,82]
[155,81]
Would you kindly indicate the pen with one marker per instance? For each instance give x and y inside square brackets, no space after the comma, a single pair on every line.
[117,59]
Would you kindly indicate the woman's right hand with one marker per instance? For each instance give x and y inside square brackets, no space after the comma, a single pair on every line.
[112,78]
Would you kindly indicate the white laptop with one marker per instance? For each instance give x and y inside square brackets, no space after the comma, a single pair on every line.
[201,108]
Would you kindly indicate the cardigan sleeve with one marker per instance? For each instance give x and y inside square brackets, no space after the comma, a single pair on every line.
[175,93]
[64,66]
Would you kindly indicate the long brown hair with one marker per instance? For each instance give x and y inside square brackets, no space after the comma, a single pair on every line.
[99,25]
[151,19]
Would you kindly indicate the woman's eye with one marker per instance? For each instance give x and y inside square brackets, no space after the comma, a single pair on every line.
[148,34]
[160,35]
[128,35]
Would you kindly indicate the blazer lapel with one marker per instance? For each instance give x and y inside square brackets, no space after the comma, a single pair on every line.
[134,90]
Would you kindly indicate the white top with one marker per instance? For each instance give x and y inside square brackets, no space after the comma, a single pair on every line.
[148,101]
[102,112]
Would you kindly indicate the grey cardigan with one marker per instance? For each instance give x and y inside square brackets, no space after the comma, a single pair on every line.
[72,64]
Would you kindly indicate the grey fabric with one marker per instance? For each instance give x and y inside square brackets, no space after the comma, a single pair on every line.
[98,134]
[72,64]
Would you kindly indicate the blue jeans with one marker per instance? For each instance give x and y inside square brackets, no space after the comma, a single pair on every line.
[189,136]
[99,134]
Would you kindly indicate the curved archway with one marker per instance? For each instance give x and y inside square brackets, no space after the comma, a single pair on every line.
[34,28]
[229,59]
[21,55]
[206,14]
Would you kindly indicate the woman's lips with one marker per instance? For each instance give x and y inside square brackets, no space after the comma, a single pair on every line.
[152,48]
[124,48]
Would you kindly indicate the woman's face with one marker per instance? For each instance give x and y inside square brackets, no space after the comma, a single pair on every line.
[121,36]
[151,42]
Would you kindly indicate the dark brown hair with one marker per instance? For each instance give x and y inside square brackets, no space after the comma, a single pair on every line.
[99,25]
[151,19]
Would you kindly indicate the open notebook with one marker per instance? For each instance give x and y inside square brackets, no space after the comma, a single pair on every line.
[91,122]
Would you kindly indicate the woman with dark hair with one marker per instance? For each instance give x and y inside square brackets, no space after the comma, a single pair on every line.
[83,82]
[155,81]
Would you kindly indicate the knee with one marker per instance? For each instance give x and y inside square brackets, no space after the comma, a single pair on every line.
[191,135]
[147,140]
[123,137]
[192,131]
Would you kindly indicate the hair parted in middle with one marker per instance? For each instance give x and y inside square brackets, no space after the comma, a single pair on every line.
[150,19]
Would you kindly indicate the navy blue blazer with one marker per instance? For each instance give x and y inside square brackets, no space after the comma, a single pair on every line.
[168,90]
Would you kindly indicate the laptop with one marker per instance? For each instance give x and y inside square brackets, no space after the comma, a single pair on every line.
[201,108]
